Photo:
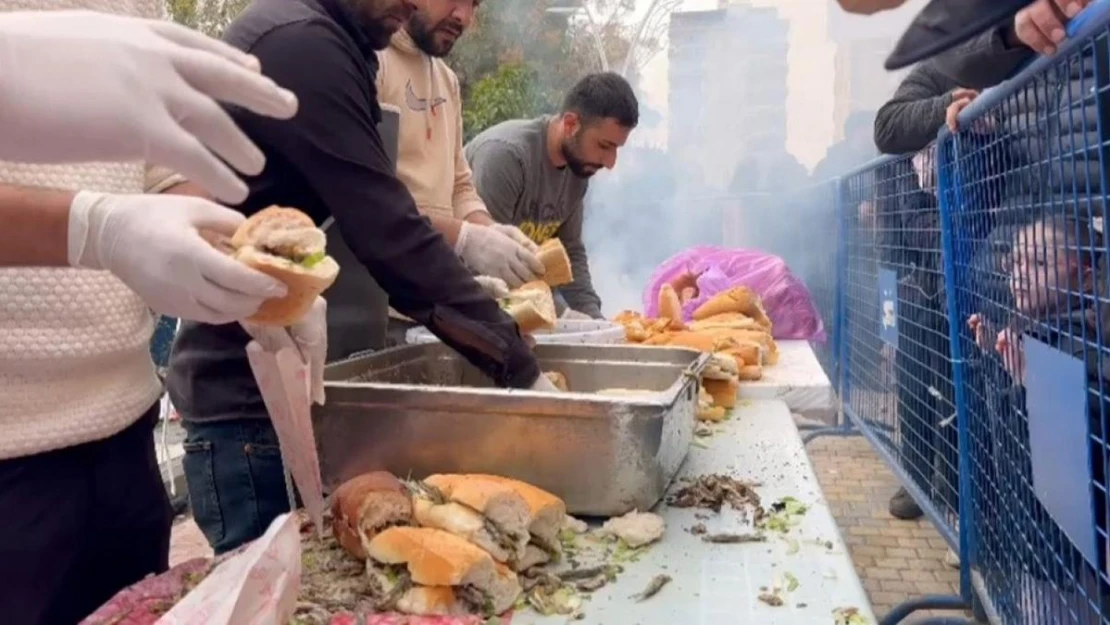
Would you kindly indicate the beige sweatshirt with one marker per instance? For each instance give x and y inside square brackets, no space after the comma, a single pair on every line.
[430,158]
[74,344]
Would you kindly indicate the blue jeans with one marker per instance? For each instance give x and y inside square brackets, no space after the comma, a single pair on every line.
[236,480]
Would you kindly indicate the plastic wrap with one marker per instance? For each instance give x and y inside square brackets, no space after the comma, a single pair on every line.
[716,269]
[258,586]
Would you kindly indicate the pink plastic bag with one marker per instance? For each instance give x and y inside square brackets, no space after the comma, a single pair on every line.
[718,269]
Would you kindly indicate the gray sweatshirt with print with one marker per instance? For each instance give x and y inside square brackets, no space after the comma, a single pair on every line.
[520,186]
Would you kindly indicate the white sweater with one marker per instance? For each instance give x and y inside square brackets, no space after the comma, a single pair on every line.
[74,344]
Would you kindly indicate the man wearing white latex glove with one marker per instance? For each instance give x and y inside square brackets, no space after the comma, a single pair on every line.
[153,244]
[81,86]
[490,252]
[309,337]
[517,235]
[534,173]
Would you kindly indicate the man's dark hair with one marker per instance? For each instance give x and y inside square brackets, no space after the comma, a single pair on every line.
[598,96]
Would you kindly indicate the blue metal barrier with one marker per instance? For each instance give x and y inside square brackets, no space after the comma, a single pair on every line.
[1023,194]
[896,383]
[824,249]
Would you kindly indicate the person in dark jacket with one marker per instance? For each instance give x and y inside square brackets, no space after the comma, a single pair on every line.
[854,150]
[1052,155]
[913,116]
[329,161]
[908,123]
[909,227]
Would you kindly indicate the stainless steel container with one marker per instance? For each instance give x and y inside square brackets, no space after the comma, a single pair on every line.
[421,409]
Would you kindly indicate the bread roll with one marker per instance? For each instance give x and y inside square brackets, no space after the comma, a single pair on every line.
[469,506]
[445,571]
[669,306]
[285,243]
[558,379]
[532,307]
[723,391]
[364,505]
[556,263]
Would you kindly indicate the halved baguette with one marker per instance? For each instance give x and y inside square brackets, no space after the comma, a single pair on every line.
[532,307]
[556,263]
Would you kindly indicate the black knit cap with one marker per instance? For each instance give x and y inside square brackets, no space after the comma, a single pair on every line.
[943,24]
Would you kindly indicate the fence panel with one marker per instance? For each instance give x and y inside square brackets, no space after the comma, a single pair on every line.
[897,384]
[1023,196]
[817,260]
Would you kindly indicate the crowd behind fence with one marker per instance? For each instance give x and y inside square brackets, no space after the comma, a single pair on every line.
[969,311]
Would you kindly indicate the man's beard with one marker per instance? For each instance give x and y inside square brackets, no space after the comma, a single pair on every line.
[373,24]
[577,165]
[424,35]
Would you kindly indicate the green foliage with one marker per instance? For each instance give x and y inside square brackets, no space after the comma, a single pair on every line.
[518,60]
[509,93]
[210,17]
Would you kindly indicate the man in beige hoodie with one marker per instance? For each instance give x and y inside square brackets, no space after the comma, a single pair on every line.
[413,77]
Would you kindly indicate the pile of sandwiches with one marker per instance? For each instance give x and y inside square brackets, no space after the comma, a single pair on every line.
[733,327]
[449,545]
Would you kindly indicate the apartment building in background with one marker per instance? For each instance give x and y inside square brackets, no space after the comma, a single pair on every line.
[861,83]
[727,88]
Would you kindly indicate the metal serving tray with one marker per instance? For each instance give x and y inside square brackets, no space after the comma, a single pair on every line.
[421,409]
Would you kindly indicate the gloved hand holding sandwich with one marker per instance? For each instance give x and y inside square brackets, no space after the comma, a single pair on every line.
[286,244]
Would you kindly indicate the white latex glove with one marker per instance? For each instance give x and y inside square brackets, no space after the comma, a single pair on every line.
[494,287]
[570,313]
[515,234]
[86,86]
[490,252]
[543,384]
[310,338]
[153,244]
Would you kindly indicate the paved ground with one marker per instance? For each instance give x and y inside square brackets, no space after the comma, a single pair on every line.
[895,559]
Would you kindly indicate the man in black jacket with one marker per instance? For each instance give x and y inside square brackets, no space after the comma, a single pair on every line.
[909,123]
[913,116]
[329,161]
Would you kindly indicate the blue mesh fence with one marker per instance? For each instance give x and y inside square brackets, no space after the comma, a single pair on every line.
[1023,200]
[897,384]
[821,252]
[974,291]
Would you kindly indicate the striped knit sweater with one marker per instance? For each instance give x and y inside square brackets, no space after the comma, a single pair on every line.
[74,344]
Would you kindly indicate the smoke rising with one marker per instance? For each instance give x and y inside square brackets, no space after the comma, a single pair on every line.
[723,175]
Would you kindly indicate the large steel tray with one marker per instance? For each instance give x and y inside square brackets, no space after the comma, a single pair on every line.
[421,409]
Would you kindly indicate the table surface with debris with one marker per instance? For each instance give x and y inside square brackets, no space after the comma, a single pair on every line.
[779,560]
[798,380]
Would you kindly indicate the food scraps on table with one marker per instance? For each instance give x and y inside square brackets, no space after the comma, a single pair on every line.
[733,539]
[657,583]
[636,528]
[714,491]
[849,616]
[783,515]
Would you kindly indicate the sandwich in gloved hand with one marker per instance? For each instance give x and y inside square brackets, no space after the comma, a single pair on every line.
[286,244]
[516,523]
[532,307]
[365,505]
[429,572]
[556,263]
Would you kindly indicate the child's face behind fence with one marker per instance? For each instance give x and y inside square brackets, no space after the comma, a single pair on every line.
[1046,275]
